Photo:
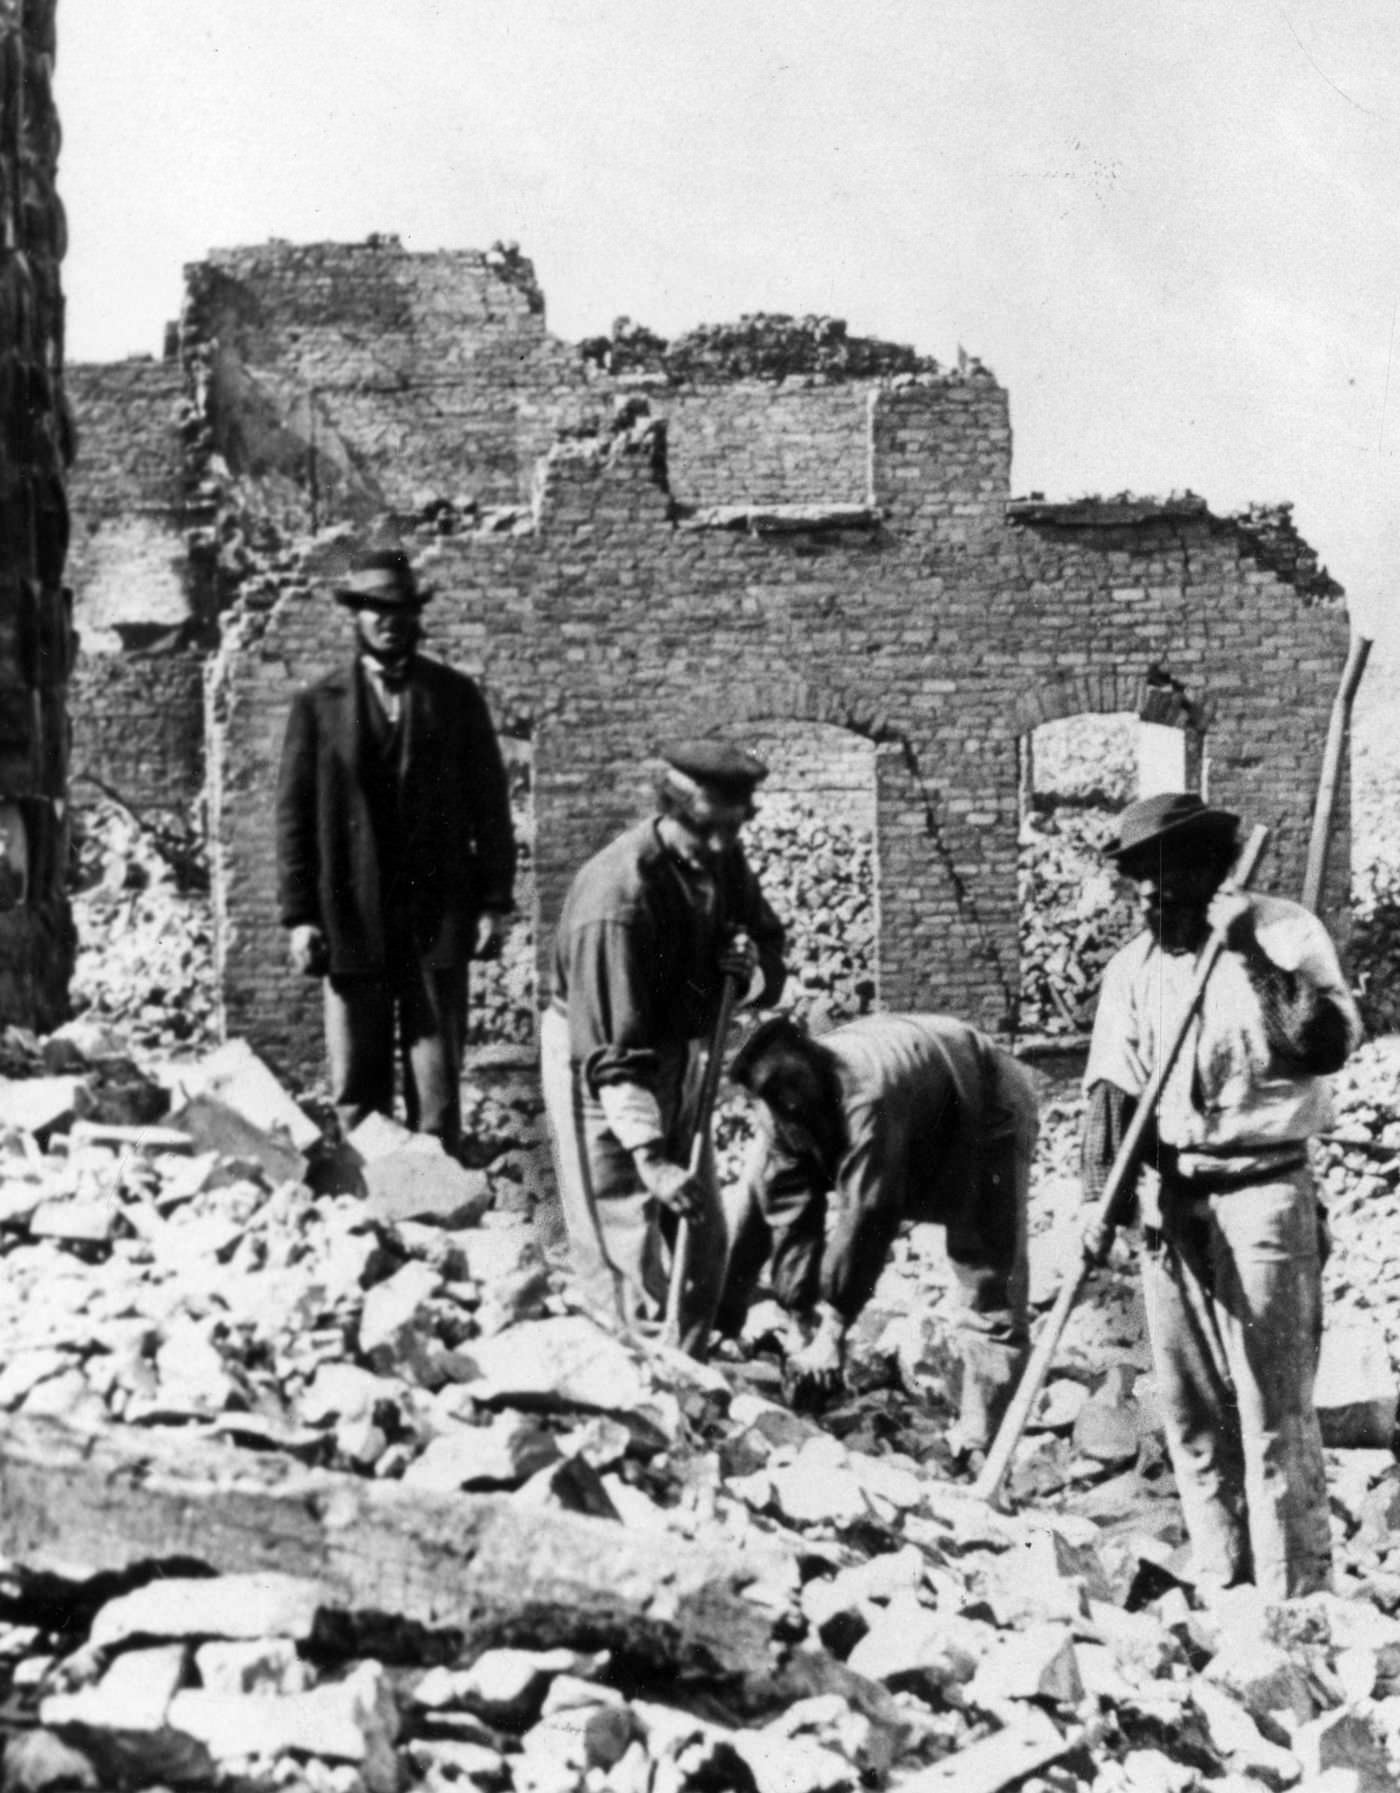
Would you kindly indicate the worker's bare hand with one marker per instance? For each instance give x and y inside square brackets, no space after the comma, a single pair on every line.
[815,1374]
[1097,1242]
[1231,914]
[306,948]
[739,959]
[491,930]
[671,1184]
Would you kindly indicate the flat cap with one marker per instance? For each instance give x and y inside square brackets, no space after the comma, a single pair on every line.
[1175,816]
[382,577]
[720,764]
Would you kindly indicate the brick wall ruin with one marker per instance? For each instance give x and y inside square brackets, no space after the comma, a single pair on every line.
[822,555]
[36,933]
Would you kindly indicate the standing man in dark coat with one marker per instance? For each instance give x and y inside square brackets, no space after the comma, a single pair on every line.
[651,927]
[395,853]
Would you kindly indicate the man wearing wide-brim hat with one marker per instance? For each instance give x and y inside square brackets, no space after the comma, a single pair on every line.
[1233,1244]
[650,928]
[395,853]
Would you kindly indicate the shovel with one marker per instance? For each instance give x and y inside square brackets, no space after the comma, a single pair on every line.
[1107,1215]
[704,1114]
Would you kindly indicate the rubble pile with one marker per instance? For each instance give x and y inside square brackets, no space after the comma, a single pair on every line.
[760,345]
[145,935]
[502,1008]
[1374,947]
[1075,914]
[214,1288]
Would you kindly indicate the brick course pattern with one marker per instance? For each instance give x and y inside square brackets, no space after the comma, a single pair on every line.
[36,929]
[619,558]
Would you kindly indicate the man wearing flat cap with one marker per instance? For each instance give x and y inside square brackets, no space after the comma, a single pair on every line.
[885,1121]
[1232,1234]
[395,853]
[651,927]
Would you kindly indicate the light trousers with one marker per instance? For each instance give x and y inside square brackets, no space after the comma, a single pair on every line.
[1233,1291]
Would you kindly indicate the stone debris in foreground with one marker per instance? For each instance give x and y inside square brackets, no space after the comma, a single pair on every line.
[408,1571]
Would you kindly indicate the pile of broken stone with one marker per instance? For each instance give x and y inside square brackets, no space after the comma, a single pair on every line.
[312,1474]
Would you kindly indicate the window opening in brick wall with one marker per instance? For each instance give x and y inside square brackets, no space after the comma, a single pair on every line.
[1077,774]
[813,847]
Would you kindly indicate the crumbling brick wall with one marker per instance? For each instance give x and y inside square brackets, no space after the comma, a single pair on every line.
[36,932]
[141,575]
[139,729]
[936,622]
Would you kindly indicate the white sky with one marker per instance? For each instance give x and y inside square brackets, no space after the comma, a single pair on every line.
[1173,232]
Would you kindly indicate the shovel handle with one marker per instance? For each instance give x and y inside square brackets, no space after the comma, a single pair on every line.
[704,1114]
[1121,1180]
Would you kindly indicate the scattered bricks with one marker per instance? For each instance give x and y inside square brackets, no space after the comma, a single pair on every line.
[567,1362]
[414,1184]
[392,1313]
[227,1606]
[1355,1390]
[133,1695]
[911,1647]
[500,1455]
[234,1075]
[1345,1741]
[213,1126]
[507,1687]
[268,1665]
[1035,1664]
[354,1720]
[93,1221]
[43,1106]
[1235,1736]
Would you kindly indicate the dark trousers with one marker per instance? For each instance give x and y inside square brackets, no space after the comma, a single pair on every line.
[416,1010]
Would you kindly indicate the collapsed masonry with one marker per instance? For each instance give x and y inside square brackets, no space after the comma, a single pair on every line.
[774,529]
[36,932]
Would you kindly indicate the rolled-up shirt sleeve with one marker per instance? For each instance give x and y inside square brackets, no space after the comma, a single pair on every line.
[1117,1052]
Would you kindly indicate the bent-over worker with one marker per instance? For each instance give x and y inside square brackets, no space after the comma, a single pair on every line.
[651,927]
[1232,1253]
[885,1120]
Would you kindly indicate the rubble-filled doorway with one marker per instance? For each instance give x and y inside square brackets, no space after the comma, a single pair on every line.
[813,846]
[1076,775]
[502,1014]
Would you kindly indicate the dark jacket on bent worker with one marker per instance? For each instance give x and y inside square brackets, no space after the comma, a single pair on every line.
[933,1131]
[636,955]
[375,834]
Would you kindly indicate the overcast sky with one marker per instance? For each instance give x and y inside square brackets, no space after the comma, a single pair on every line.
[1173,232]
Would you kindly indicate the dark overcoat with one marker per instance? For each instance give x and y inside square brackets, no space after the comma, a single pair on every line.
[456,852]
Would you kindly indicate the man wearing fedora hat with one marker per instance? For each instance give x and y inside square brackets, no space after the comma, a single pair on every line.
[395,853]
[651,927]
[1232,1236]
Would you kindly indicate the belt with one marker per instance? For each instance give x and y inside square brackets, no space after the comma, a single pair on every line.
[1220,1178]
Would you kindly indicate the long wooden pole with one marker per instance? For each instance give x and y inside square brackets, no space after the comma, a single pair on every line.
[704,1114]
[1330,778]
[1121,1179]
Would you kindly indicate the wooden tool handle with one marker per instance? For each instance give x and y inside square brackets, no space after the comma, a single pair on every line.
[1121,1180]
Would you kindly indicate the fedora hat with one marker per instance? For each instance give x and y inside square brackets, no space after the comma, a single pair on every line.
[382,578]
[1175,816]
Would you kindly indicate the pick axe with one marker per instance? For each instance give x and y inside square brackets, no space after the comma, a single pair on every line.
[1108,1213]
[704,1114]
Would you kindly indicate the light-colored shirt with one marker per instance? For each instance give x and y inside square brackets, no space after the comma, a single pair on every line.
[389,697]
[1226,1091]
